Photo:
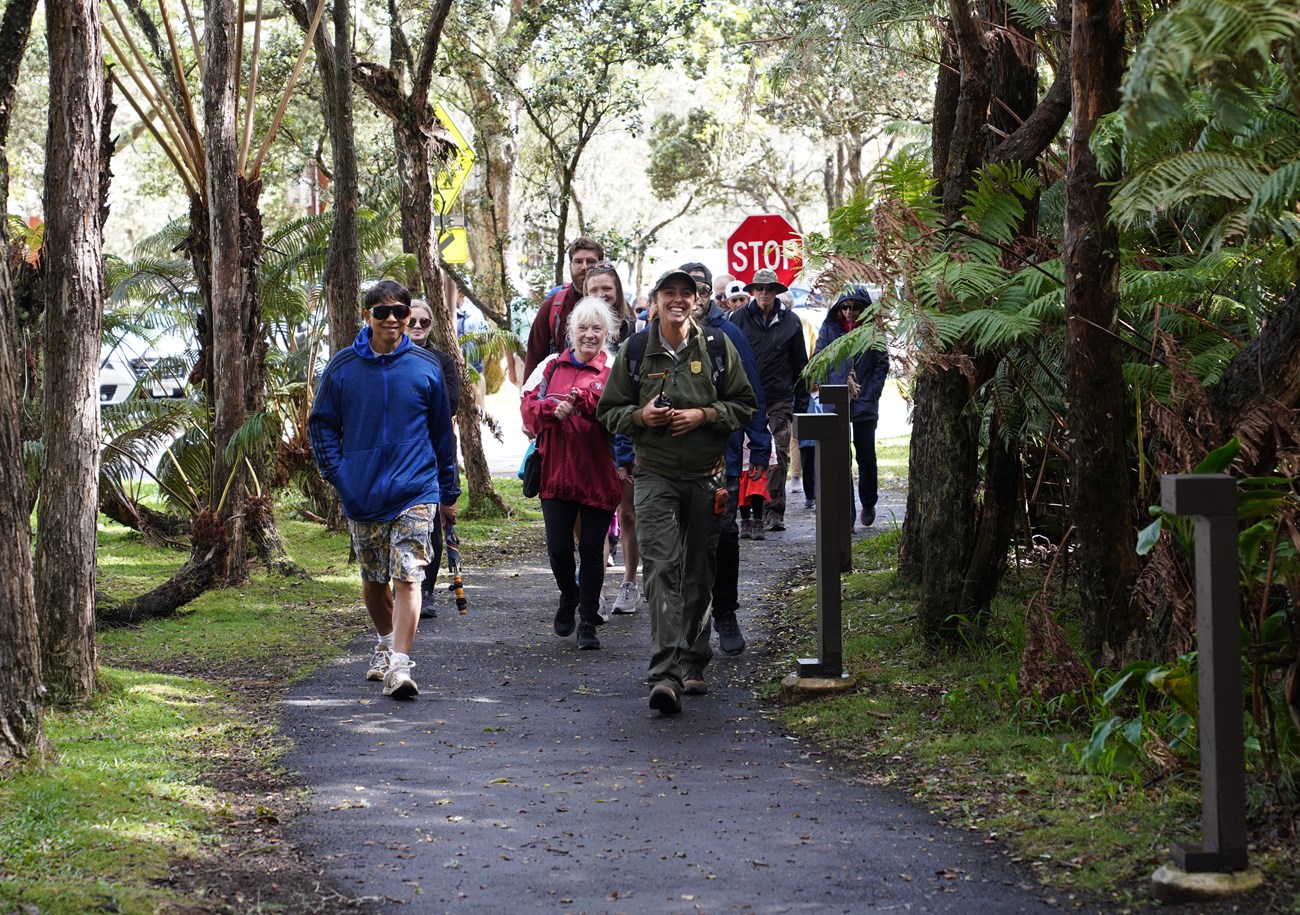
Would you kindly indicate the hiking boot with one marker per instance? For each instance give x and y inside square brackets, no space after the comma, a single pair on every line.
[379,662]
[564,618]
[398,682]
[627,599]
[730,639]
[776,525]
[746,529]
[428,606]
[868,517]
[587,640]
[693,682]
[810,504]
[664,700]
[757,528]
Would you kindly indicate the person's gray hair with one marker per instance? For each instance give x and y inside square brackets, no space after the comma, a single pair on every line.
[593,308]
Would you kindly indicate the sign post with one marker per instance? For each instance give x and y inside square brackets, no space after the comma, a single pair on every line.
[765,243]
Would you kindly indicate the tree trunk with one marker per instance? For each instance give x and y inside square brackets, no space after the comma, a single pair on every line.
[943,469]
[343,261]
[21,692]
[66,517]
[483,497]
[157,528]
[1101,494]
[1262,381]
[487,211]
[939,529]
[200,572]
[998,514]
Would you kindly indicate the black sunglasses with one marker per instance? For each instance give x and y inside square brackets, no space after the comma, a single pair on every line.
[381,312]
[422,322]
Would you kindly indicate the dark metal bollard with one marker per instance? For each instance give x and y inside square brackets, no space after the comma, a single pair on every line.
[837,396]
[834,541]
[1212,500]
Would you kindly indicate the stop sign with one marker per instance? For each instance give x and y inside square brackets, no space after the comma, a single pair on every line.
[765,242]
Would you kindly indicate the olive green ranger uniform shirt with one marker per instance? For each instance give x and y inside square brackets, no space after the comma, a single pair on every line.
[687,378]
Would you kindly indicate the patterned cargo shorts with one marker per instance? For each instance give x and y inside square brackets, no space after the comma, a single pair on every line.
[394,549]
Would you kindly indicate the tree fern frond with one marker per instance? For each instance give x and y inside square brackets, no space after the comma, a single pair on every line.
[1200,38]
[1159,185]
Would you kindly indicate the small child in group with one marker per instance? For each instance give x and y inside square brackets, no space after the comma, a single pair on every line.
[753,493]
[808,456]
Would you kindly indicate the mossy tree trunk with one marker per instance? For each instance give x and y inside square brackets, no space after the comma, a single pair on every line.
[1101,490]
[74,305]
[21,700]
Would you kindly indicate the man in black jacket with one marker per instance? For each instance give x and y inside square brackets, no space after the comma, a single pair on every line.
[776,336]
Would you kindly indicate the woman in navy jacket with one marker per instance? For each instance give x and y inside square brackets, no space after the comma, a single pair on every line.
[865,375]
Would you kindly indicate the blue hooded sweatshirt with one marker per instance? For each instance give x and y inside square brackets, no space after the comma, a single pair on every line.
[760,439]
[381,430]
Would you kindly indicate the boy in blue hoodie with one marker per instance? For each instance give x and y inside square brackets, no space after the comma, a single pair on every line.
[381,434]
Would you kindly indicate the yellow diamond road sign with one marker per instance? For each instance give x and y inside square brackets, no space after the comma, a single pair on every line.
[451,176]
[453,245]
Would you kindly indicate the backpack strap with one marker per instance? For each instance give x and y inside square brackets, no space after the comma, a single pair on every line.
[635,355]
[713,341]
[717,347]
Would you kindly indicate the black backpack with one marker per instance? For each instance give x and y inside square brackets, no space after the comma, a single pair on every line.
[713,341]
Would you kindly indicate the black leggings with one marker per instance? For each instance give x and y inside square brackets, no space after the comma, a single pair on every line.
[560,516]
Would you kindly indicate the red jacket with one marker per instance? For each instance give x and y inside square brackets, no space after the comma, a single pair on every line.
[577,452]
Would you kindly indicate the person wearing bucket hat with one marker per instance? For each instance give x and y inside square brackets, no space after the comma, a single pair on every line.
[766,278]
[678,391]
[865,376]
[776,337]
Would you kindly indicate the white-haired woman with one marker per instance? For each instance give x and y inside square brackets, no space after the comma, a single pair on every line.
[579,483]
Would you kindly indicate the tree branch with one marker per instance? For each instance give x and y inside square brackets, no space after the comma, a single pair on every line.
[422,78]
[1038,131]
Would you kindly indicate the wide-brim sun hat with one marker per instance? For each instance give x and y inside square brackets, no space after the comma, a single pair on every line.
[766,278]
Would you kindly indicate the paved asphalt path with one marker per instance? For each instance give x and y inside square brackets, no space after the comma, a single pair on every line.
[529,777]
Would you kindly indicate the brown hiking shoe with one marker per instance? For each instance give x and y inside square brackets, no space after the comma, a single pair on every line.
[664,699]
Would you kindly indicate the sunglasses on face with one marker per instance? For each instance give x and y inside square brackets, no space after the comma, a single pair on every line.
[703,288]
[381,312]
[422,322]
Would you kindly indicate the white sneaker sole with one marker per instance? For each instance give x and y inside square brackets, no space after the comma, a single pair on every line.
[404,689]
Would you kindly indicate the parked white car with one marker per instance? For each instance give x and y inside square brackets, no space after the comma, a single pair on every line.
[116,380]
[157,368]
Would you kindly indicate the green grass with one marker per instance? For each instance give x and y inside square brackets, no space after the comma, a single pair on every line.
[101,825]
[97,829]
[891,460]
[954,731]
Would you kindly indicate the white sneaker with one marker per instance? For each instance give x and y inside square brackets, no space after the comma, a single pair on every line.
[379,662]
[398,682]
[629,596]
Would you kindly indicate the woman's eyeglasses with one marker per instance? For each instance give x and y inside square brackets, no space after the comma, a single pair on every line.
[381,312]
[422,322]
